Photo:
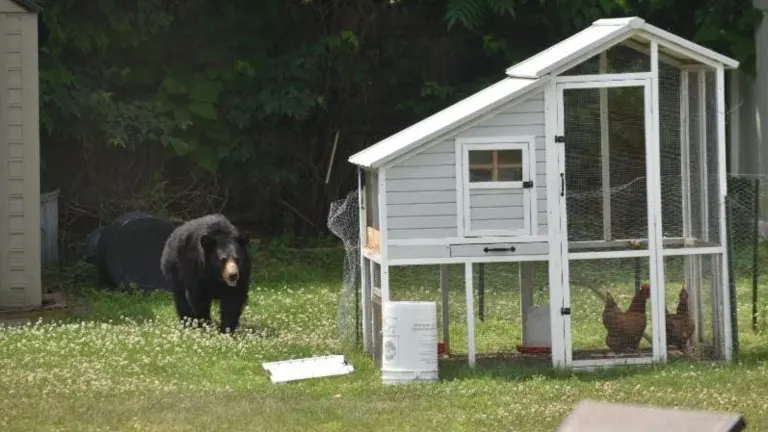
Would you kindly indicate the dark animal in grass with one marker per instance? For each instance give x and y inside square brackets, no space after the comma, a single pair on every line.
[207,259]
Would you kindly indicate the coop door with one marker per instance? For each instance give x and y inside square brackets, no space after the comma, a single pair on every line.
[603,140]
[498,176]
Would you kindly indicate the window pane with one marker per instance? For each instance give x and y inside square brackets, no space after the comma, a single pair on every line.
[510,174]
[479,175]
[510,157]
[480,157]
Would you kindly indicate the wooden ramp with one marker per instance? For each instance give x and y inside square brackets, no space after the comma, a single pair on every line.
[596,416]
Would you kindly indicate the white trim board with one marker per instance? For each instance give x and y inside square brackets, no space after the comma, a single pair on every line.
[445,241]
[611,362]
[603,77]
[655,235]
[599,84]
[466,260]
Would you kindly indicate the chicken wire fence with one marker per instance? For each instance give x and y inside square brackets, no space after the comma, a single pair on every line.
[344,222]
[747,199]
[610,308]
[605,163]
[511,304]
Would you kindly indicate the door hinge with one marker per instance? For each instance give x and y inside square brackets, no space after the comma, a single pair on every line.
[528,184]
[565,311]
[562,184]
[559,138]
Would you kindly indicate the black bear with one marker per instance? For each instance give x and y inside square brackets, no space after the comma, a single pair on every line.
[206,259]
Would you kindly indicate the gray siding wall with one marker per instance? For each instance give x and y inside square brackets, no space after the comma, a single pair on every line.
[20,240]
[496,209]
[421,190]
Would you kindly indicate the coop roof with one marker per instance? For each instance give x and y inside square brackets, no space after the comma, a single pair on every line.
[604,32]
[527,76]
[431,127]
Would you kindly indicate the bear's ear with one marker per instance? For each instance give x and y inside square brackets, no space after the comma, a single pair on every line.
[207,242]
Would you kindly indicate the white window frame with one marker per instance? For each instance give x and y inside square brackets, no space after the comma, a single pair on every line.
[527,145]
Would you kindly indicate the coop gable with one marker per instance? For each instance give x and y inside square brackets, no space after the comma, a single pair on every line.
[532,74]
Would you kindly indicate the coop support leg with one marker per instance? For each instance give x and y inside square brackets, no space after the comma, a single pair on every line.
[526,296]
[366,283]
[481,291]
[445,292]
[470,299]
[755,253]
[377,306]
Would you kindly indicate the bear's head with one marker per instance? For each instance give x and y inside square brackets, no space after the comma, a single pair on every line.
[225,252]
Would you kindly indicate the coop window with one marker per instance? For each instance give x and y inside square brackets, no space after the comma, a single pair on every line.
[498,185]
[496,165]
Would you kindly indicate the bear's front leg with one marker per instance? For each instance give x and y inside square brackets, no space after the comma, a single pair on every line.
[231,308]
[200,302]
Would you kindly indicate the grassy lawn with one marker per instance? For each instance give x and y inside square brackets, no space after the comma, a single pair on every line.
[127,365]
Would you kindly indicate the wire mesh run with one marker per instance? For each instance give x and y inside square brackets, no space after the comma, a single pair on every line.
[695,307]
[509,321]
[689,157]
[605,167]
[610,308]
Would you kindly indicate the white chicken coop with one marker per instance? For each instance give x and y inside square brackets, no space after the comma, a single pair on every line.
[593,167]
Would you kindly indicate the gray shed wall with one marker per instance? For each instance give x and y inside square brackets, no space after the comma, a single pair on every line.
[20,279]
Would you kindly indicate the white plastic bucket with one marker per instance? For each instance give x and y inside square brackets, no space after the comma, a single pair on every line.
[409,342]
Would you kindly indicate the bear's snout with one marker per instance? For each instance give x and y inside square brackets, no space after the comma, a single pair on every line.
[231,273]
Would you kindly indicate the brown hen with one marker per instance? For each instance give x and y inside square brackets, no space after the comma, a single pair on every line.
[680,326]
[626,328]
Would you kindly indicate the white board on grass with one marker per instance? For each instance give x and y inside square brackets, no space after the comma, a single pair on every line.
[313,367]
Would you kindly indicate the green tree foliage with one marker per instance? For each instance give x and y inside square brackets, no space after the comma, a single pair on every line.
[251,94]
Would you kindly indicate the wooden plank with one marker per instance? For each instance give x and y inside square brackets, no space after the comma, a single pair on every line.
[532,105]
[423,233]
[421,172]
[494,131]
[408,222]
[497,224]
[423,210]
[372,241]
[418,185]
[515,119]
[596,416]
[421,197]
[418,251]
[511,214]
[429,159]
